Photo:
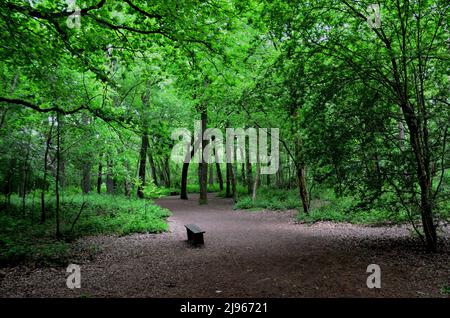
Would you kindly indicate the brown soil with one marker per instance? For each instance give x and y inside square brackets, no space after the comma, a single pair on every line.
[246,254]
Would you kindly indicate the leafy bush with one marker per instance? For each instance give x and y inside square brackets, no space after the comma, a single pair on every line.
[446,290]
[348,209]
[269,198]
[151,191]
[244,203]
[326,206]
[24,239]
[241,191]
[191,188]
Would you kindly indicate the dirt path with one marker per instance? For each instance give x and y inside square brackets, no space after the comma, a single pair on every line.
[247,254]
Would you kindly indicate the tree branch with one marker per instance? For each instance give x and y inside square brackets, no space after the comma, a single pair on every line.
[39,109]
[143,12]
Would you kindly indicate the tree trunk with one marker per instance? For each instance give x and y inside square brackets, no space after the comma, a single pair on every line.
[417,124]
[211,175]
[219,171]
[302,188]
[44,181]
[25,171]
[184,175]
[257,176]
[419,142]
[279,175]
[62,172]
[160,171]
[153,168]
[99,177]
[203,165]
[142,163]
[289,174]
[127,184]
[109,177]
[58,156]
[249,174]
[86,178]
[167,171]
[233,172]
[185,170]
[228,193]
[219,176]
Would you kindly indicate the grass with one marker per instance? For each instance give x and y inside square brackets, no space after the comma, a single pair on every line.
[241,191]
[386,210]
[191,188]
[445,290]
[270,199]
[326,206]
[195,188]
[345,209]
[24,239]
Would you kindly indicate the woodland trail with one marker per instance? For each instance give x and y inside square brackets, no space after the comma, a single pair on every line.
[246,254]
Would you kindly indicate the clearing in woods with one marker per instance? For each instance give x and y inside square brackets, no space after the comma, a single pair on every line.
[246,254]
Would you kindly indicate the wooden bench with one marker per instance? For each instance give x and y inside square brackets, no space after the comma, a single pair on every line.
[195,234]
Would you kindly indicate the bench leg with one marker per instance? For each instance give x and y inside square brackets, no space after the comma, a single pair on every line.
[198,239]
[190,235]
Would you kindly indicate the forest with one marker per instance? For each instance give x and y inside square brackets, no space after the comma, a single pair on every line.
[91,93]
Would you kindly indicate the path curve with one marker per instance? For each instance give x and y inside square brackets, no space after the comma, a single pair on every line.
[246,254]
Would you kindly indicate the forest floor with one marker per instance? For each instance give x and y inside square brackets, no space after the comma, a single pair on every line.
[246,254]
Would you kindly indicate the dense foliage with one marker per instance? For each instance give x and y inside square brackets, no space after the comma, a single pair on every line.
[90,94]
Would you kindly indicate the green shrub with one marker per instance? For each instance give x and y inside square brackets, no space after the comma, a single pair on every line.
[326,206]
[268,198]
[24,239]
[240,189]
[195,188]
[244,203]
[445,290]
[350,210]
[151,191]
